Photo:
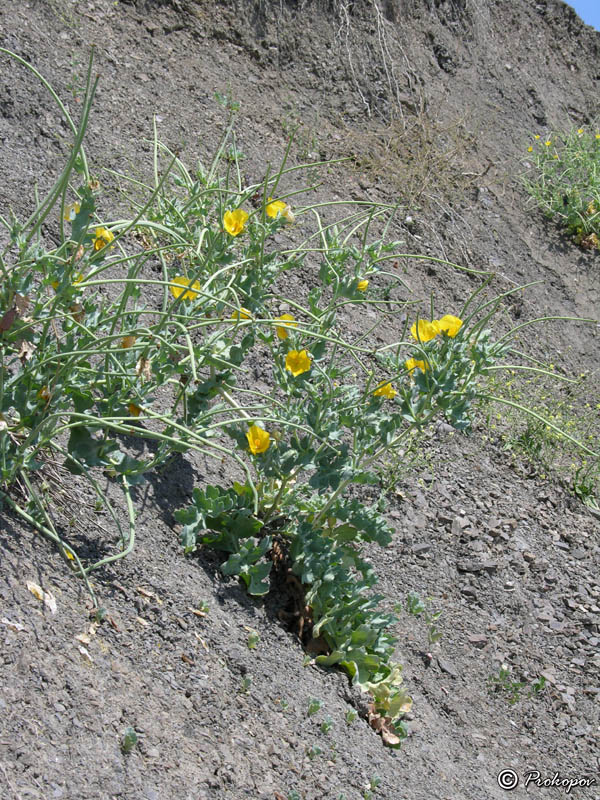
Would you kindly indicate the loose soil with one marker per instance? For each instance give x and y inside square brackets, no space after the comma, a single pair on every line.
[436,103]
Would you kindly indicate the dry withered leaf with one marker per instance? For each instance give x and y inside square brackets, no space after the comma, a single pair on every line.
[85,653]
[383,726]
[84,638]
[21,303]
[26,351]
[7,320]
[46,597]
[143,622]
[77,311]
[142,369]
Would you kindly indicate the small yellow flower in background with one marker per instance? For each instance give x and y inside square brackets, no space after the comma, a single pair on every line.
[103,237]
[77,278]
[530,149]
[424,331]
[412,364]
[180,283]
[297,362]
[134,410]
[548,143]
[234,222]
[580,131]
[591,209]
[556,155]
[127,341]
[598,136]
[71,212]
[537,136]
[449,324]
[362,285]
[276,207]
[385,389]
[258,439]
[242,313]
[281,330]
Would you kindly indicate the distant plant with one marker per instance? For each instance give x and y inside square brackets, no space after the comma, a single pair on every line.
[129,740]
[416,607]
[511,689]
[564,181]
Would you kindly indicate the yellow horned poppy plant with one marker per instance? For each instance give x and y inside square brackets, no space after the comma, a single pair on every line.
[258,439]
[102,237]
[449,324]
[281,330]
[424,331]
[180,283]
[413,364]
[297,362]
[385,390]
[234,222]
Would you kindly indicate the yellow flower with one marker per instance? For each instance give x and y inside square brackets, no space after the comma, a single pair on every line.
[537,136]
[103,237]
[276,207]
[413,364]
[530,149]
[134,410]
[297,362]
[449,324]
[72,211]
[44,394]
[258,439]
[598,136]
[385,390]
[235,221]
[362,285]
[591,209]
[178,284]
[242,313]
[127,341]
[77,278]
[548,143]
[580,131]
[424,331]
[281,330]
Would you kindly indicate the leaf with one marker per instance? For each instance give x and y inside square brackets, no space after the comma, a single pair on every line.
[46,597]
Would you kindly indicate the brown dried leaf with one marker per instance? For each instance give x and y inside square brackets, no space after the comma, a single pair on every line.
[26,351]
[142,369]
[47,597]
[7,320]
[14,626]
[21,303]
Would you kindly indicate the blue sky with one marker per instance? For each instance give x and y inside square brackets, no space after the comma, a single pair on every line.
[588,10]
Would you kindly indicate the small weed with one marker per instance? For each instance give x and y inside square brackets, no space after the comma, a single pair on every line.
[326,725]
[253,640]
[313,706]
[129,740]
[351,715]
[314,751]
[512,690]
[416,607]
[246,684]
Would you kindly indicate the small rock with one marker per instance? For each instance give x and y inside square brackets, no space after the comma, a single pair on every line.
[421,549]
[445,666]
[478,640]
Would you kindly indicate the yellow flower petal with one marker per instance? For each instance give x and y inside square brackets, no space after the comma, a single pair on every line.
[424,331]
[275,207]
[258,439]
[180,283]
[102,237]
[127,341]
[385,389]
[297,362]
[71,212]
[282,331]
[234,222]
[242,313]
[362,285]
[134,410]
[449,324]
[412,364]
